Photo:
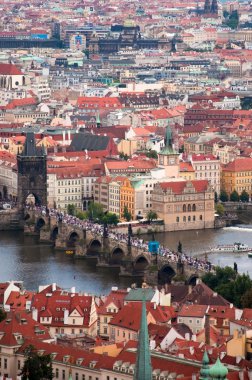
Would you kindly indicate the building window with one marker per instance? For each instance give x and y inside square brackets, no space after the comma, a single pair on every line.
[76,376]
[63,374]
[200,217]
[184,218]
[189,218]
[5,363]
[177,219]
[189,208]
[184,208]
[57,373]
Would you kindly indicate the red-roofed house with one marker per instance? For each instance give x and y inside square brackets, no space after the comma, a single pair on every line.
[110,307]
[65,312]
[10,76]
[184,205]
[193,316]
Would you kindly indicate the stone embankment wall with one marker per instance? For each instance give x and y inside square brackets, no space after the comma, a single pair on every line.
[10,220]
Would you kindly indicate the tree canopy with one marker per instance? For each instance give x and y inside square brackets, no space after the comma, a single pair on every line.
[151,215]
[36,367]
[244,197]
[223,196]
[126,214]
[229,284]
[234,196]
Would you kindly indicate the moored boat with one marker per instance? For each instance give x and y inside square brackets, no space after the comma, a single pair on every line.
[233,248]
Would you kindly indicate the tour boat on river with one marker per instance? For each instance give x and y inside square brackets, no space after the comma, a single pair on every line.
[233,248]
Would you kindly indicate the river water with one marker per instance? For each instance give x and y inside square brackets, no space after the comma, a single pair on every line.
[23,258]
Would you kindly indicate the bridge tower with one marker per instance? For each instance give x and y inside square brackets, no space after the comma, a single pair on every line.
[32,173]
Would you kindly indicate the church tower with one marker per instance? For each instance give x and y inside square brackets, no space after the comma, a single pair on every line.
[143,369]
[32,173]
[168,157]
[207,7]
[214,7]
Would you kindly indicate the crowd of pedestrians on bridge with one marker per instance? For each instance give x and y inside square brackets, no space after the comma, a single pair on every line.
[137,242]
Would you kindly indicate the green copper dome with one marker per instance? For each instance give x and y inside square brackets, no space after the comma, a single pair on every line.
[204,372]
[218,370]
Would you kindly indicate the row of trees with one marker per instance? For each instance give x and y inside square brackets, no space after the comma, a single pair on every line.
[234,196]
[234,287]
[96,213]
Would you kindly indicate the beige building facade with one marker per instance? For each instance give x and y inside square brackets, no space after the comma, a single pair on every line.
[184,205]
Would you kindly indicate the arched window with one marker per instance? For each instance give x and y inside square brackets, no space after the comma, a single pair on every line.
[177,219]
[194,218]
[184,218]
[194,207]
[184,208]
[189,218]
[189,208]
[200,217]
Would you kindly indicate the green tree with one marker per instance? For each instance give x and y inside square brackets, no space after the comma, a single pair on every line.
[225,13]
[111,219]
[244,197]
[234,196]
[246,299]
[220,209]
[223,196]
[126,214]
[36,367]
[82,215]
[229,284]
[152,154]
[71,209]
[124,156]
[151,215]
[95,212]
[215,197]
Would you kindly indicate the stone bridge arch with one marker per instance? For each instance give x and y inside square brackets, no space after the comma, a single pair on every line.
[94,247]
[165,274]
[192,280]
[116,256]
[141,263]
[40,223]
[73,239]
[54,232]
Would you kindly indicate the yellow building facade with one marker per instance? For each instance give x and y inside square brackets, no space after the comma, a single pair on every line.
[237,175]
[127,198]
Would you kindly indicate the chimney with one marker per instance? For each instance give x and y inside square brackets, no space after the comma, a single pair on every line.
[241,375]
[53,286]
[35,315]
[207,329]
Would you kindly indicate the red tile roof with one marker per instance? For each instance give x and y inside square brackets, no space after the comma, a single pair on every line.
[196,311]
[179,187]
[21,324]
[9,69]
[238,165]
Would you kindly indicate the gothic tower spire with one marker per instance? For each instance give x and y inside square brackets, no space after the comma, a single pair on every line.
[207,6]
[143,369]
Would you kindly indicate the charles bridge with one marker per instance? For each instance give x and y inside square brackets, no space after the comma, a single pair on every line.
[132,261]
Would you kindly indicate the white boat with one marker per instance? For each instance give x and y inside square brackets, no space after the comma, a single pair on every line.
[250,254]
[233,248]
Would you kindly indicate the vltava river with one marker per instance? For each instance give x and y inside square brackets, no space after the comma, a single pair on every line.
[23,258]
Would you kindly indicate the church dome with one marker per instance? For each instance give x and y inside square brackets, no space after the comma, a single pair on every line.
[218,370]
